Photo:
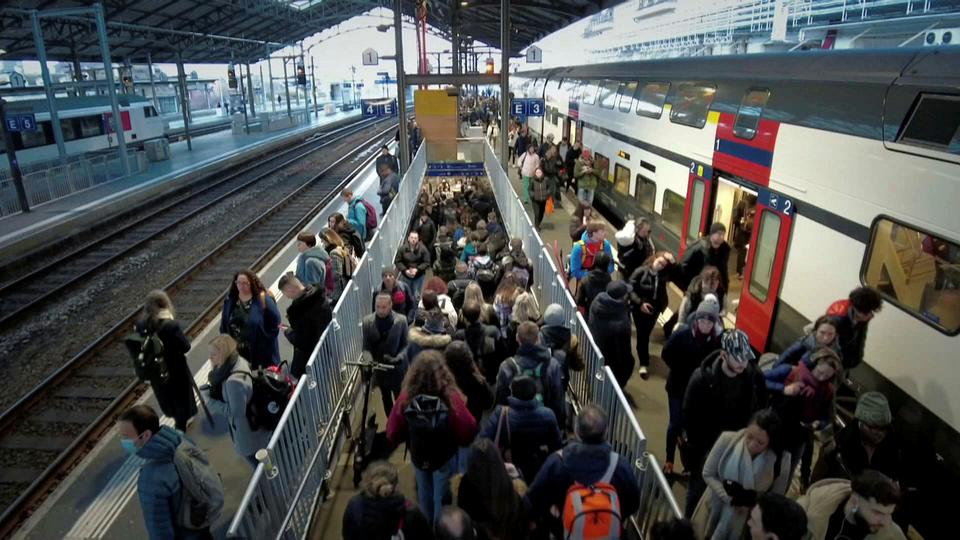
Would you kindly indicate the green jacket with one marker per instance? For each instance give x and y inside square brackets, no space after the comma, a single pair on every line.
[585,180]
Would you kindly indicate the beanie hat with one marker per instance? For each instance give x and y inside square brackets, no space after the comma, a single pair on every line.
[553,316]
[874,409]
[709,306]
[626,235]
[618,290]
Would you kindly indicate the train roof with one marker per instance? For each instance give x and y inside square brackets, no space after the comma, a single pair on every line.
[40,106]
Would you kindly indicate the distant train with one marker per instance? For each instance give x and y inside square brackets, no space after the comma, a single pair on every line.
[850,164]
[86,123]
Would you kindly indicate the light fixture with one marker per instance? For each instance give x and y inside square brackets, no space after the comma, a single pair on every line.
[464,3]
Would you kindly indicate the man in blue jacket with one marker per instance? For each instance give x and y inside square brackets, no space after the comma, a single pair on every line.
[536,361]
[356,213]
[159,485]
[593,241]
[586,462]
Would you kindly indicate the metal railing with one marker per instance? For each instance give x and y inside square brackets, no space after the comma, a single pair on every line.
[282,495]
[596,383]
[50,180]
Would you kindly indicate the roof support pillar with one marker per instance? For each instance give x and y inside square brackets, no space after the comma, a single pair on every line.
[153,83]
[78,74]
[504,81]
[306,94]
[273,106]
[253,110]
[243,99]
[184,100]
[313,88]
[48,86]
[111,87]
[404,146]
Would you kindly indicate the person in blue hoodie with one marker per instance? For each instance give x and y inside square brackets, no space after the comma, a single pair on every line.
[312,261]
[158,485]
[356,213]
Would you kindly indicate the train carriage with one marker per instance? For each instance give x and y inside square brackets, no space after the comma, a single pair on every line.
[850,161]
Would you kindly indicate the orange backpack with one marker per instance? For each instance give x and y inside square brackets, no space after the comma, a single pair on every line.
[593,512]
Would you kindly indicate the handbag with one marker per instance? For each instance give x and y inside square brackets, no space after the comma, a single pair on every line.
[505,453]
[549,208]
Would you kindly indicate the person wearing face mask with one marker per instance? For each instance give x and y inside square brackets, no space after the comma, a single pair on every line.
[776,517]
[539,192]
[230,391]
[722,395]
[683,353]
[158,484]
[861,509]
[742,465]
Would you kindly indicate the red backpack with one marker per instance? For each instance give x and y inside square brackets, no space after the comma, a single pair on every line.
[371,218]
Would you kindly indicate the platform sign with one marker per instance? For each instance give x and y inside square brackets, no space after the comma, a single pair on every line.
[12,123]
[534,55]
[377,108]
[535,107]
[777,202]
[527,107]
[370,57]
[518,107]
[456,169]
[16,123]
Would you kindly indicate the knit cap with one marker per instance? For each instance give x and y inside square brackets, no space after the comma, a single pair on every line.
[873,409]
[709,306]
[618,290]
[553,316]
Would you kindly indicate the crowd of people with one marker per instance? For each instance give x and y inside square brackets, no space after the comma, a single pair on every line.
[477,375]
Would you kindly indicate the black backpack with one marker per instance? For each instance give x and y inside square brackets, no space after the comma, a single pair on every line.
[457,292]
[271,393]
[431,441]
[538,374]
[146,350]
[486,273]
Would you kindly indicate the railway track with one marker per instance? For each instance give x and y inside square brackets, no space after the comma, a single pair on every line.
[48,431]
[30,290]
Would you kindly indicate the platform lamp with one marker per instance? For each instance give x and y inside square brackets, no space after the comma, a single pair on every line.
[12,157]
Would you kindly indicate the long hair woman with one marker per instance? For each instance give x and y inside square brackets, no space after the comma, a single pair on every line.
[251,317]
[490,496]
[373,514]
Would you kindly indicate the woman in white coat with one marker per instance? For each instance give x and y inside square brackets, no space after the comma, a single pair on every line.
[741,466]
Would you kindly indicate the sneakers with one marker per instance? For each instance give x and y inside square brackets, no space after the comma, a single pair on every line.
[643,373]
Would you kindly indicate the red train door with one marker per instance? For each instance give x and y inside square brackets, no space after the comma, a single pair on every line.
[766,261]
[696,214]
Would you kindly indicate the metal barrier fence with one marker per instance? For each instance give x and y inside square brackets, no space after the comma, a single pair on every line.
[50,180]
[282,495]
[596,383]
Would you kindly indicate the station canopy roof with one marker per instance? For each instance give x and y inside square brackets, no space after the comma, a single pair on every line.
[216,31]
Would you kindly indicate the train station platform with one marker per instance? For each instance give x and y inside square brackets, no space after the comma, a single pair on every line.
[23,232]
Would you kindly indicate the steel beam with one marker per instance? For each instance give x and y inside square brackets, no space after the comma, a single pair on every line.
[453,80]
[504,82]
[47,87]
[184,101]
[404,147]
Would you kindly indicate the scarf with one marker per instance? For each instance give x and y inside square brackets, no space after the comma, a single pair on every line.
[737,465]
[219,375]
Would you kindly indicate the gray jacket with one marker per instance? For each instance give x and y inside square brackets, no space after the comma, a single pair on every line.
[392,344]
[237,390]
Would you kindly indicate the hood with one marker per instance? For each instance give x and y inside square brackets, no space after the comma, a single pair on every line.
[527,354]
[382,514]
[316,252]
[554,337]
[312,298]
[711,364]
[608,308]
[427,340]
[161,446]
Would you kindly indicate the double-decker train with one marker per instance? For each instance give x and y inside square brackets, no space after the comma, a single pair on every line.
[86,123]
[850,162]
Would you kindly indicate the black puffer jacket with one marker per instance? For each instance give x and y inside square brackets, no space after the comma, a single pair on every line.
[413,257]
[369,518]
[595,283]
[683,354]
[648,287]
[609,323]
[701,254]
[309,316]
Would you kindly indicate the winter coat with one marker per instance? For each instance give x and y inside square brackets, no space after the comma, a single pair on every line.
[412,257]
[586,178]
[357,217]
[419,340]
[402,299]
[540,188]
[570,159]
[237,391]
[389,185]
[427,231]
[385,348]
[312,266]
[649,287]
[707,412]
[158,485]
[379,518]
[564,346]
[480,338]
[584,463]
[446,306]
[528,164]
[342,267]
[462,425]
[577,270]
[692,298]
[715,498]
[261,331]
[175,395]
[533,434]
[822,500]
[489,527]
[478,394]
[634,255]
[609,322]
[851,336]
[528,357]
[577,228]
[591,286]
[801,349]
[684,353]
[700,254]
[456,288]
[389,160]
[353,239]
[849,458]
[309,316]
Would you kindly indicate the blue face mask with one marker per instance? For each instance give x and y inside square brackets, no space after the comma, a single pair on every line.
[128,445]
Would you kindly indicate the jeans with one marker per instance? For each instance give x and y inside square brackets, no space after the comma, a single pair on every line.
[462,457]
[585,195]
[415,284]
[433,487]
[675,426]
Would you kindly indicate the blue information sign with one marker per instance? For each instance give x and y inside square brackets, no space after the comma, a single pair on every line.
[777,202]
[535,107]
[456,169]
[12,123]
[374,108]
[527,107]
[20,122]
[518,107]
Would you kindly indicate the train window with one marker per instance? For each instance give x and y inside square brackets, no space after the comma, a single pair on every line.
[621,179]
[672,211]
[625,96]
[69,127]
[934,123]
[645,192]
[691,103]
[917,271]
[149,112]
[590,92]
[608,94]
[91,126]
[601,164]
[766,251]
[696,210]
[40,137]
[748,116]
[651,98]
